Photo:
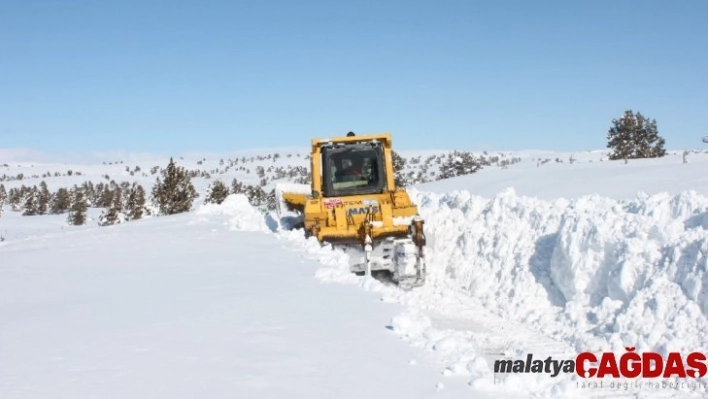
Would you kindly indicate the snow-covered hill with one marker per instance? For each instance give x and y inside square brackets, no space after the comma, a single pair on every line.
[421,167]
[542,256]
[591,173]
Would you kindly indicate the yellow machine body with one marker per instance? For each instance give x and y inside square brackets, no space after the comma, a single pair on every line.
[363,210]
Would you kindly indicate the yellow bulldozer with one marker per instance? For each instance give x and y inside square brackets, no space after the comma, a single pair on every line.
[353,204]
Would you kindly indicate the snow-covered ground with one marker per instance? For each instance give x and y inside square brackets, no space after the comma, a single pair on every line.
[546,258]
[590,174]
[207,304]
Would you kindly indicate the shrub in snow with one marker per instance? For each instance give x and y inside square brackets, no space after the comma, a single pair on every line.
[217,193]
[256,195]
[399,164]
[459,163]
[236,187]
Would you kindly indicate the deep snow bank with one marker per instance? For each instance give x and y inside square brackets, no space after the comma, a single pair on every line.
[241,214]
[599,273]
[594,273]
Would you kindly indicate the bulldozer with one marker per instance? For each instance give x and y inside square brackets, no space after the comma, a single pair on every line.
[353,204]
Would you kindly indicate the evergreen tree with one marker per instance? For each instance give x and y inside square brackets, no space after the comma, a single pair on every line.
[61,202]
[174,193]
[217,193]
[105,197]
[237,187]
[256,195]
[271,200]
[3,195]
[30,204]
[399,164]
[112,215]
[458,163]
[77,212]
[97,197]
[136,202]
[124,186]
[117,200]
[90,192]
[650,143]
[260,171]
[634,136]
[43,199]
[15,197]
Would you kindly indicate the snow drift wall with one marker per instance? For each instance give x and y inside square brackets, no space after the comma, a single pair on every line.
[242,216]
[598,273]
[594,273]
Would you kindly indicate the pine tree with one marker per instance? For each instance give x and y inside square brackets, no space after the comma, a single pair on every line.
[136,202]
[256,195]
[217,193]
[174,193]
[15,197]
[105,197]
[30,205]
[117,200]
[651,143]
[90,192]
[112,215]
[271,200]
[124,186]
[237,187]
[77,212]
[97,196]
[634,136]
[260,171]
[61,202]
[458,163]
[399,164]
[43,199]
[3,195]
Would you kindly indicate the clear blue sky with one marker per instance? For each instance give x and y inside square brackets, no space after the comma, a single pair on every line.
[178,76]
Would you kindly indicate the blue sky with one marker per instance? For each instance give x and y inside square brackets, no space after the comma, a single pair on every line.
[180,76]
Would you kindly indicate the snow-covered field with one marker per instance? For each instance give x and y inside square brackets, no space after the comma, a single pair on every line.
[545,258]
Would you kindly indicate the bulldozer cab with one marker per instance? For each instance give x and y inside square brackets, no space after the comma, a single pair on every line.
[353,169]
[352,166]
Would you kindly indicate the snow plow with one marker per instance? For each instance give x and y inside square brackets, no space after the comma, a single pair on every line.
[353,204]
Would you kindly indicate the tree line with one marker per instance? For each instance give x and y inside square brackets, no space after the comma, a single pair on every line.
[630,136]
[172,193]
[124,201]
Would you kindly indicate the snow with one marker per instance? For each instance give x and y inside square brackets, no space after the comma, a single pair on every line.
[281,188]
[578,273]
[551,259]
[588,175]
[184,307]
[242,216]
